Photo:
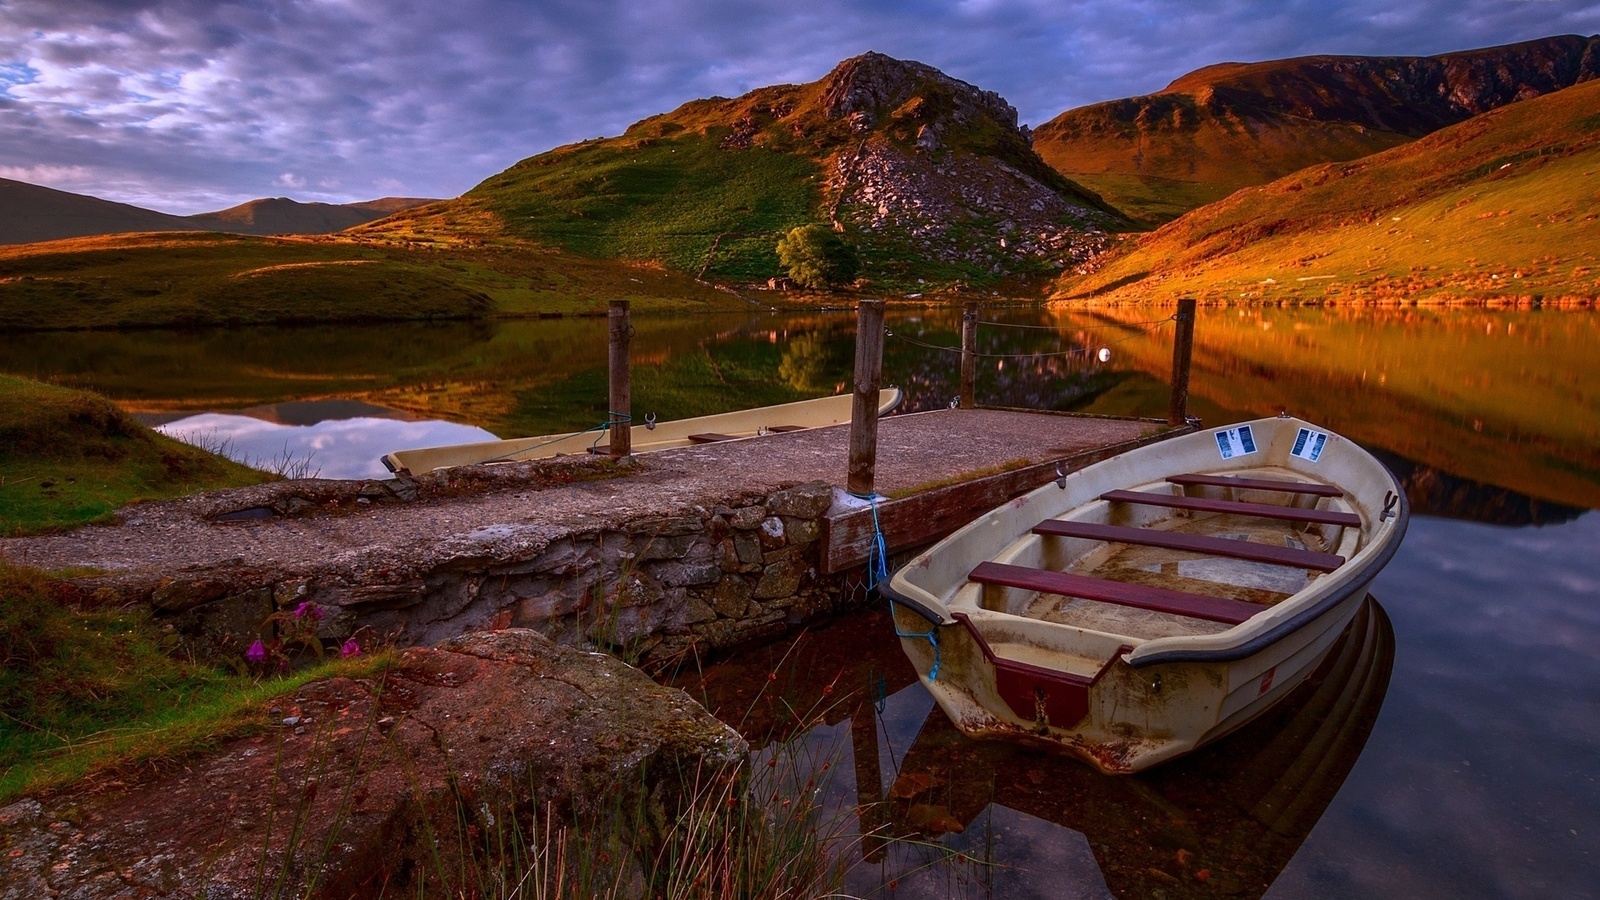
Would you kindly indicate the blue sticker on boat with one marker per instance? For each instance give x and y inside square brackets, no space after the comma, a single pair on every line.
[1236,442]
[1309,444]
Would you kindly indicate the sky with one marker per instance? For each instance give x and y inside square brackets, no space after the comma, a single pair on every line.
[189,106]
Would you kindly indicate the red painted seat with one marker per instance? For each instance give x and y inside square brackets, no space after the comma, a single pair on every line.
[1197,543]
[1259,484]
[1121,593]
[1260,510]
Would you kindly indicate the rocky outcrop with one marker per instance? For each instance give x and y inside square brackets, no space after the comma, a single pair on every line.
[941,168]
[367,786]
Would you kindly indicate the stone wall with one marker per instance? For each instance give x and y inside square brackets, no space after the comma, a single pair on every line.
[653,590]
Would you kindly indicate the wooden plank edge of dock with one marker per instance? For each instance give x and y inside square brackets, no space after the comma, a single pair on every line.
[924,518]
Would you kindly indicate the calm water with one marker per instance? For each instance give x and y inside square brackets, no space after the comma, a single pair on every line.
[1458,759]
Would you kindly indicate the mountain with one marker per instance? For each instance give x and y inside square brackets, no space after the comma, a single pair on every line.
[930,178]
[280,215]
[29,213]
[1232,125]
[1499,208]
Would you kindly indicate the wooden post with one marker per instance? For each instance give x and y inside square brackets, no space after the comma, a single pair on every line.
[621,394]
[864,412]
[1182,354]
[969,355]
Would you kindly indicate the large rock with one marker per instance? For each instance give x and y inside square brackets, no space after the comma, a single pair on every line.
[363,782]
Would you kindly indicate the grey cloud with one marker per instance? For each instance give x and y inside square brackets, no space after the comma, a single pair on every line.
[201,104]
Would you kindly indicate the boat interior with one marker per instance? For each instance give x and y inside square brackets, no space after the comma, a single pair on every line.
[1193,554]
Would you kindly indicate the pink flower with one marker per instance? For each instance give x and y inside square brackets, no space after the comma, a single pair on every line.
[350,648]
[257,652]
[307,608]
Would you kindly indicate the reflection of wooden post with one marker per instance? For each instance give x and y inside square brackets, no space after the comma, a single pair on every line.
[1182,353]
[864,412]
[621,399]
[969,355]
[871,810]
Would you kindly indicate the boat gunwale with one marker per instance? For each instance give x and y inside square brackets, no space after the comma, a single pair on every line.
[1325,592]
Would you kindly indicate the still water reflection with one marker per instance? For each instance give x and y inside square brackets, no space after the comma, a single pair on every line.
[1479,776]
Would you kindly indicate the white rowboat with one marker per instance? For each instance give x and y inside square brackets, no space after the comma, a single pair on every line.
[1146,605]
[742,423]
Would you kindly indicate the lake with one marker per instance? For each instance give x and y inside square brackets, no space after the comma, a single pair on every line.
[1454,751]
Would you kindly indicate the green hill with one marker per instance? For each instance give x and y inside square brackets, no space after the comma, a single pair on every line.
[919,171]
[197,279]
[1500,208]
[1234,125]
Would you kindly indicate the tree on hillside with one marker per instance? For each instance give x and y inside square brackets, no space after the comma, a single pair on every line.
[817,258]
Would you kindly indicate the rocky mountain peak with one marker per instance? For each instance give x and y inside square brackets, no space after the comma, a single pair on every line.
[877,87]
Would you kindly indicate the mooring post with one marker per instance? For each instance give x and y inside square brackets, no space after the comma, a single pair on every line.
[969,355]
[621,395]
[1182,354]
[864,412]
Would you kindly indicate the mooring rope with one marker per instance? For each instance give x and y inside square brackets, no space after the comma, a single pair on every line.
[616,419]
[878,572]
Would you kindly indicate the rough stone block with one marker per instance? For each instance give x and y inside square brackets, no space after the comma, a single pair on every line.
[657,547]
[672,526]
[747,518]
[748,548]
[772,533]
[731,597]
[801,531]
[780,579]
[684,574]
[806,501]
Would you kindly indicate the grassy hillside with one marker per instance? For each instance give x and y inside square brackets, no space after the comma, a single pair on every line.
[1234,125]
[709,187]
[69,457]
[1501,208]
[210,279]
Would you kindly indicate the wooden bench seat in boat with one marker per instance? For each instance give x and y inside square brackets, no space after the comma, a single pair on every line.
[1259,484]
[782,428]
[1261,510]
[711,437]
[1121,593]
[1197,543]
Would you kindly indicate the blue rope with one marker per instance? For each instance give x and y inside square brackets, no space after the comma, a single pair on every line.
[878,571]
[878,555]
[613,418]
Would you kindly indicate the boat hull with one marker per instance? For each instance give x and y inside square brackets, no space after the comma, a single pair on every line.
[1119,698]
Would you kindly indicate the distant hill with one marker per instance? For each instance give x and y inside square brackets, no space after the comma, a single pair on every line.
[29,213]
[280,215]
[1233,125]
[930,177]
[1500,208]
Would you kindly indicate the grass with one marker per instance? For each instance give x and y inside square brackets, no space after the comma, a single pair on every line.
[660,200]
[1498,209]
[70,457]
[84,691]
[204,280]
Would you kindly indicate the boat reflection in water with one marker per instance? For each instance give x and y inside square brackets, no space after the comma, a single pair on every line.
[1024,822]
[1222,822]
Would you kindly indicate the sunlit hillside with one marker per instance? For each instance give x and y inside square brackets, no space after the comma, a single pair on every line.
[1501,208]
[1233,125]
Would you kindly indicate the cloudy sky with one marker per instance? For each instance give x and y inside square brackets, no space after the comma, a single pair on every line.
[193,105]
